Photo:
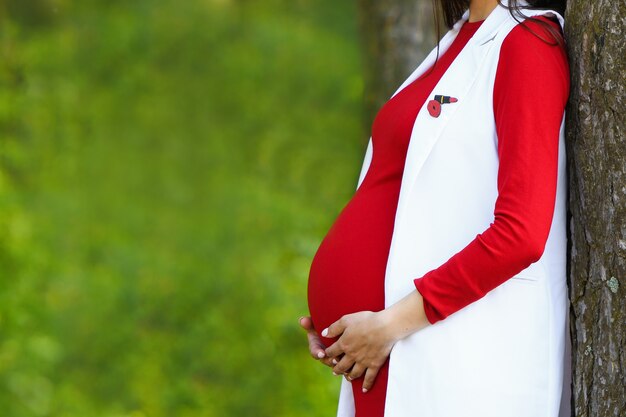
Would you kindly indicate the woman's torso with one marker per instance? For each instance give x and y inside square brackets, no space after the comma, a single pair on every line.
[347,273]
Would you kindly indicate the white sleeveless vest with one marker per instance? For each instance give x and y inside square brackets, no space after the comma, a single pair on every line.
[504,354]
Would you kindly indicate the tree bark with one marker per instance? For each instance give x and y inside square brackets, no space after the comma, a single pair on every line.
[396,36]
[596,151]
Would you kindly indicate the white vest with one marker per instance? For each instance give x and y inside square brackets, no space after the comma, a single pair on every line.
[502,355]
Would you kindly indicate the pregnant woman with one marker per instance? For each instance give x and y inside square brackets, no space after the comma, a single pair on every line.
[440,289]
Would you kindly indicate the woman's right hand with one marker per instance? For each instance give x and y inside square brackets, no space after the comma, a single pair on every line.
[316,347]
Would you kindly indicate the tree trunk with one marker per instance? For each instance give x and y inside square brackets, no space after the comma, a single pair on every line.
[396,35]
[596,156]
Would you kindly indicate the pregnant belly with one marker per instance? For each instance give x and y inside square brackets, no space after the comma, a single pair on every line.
[347,273]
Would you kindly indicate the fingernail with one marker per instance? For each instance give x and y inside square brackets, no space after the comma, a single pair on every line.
[325,332]
[335,373]
[334,361]
[364,390]
[349,378]
[320,354]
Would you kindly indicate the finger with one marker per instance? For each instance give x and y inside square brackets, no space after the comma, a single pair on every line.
[356,372]
[346,374]
[316,347]
[336,328]
[370,377]
[335,349]
[306,323]
[328,362]
[331,361]
[343,366]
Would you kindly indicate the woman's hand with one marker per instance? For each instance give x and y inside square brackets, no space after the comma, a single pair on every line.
[368,337]
[366,341]
[316,347]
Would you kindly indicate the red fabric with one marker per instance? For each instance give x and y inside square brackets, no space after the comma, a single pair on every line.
[530,93]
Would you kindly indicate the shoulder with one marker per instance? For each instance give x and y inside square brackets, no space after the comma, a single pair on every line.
[538,31]
[530,55]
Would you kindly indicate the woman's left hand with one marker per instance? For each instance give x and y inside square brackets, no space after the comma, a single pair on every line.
[367,337]
[366,341]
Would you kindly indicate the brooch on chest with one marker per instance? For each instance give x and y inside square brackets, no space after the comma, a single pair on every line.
[434,106]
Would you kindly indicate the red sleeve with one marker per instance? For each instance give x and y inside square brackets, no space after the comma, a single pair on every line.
[530,93]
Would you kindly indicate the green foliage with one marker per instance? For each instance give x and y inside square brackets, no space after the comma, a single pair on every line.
[167,170]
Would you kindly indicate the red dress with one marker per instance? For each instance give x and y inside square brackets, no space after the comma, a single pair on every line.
[347,272]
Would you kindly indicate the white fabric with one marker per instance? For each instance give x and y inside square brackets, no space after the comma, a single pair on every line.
[504,354]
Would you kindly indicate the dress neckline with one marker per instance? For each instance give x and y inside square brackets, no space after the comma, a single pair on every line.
[472,25]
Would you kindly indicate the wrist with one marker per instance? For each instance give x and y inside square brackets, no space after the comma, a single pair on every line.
[406,316]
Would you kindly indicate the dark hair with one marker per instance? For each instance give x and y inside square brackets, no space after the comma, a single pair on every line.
[453,10]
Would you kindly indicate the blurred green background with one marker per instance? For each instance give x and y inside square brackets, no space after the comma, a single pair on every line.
[167,171]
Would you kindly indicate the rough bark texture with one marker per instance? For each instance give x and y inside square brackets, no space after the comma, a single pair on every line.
[396,35]
[595,32]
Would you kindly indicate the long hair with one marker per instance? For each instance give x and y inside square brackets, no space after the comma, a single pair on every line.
[452,11]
